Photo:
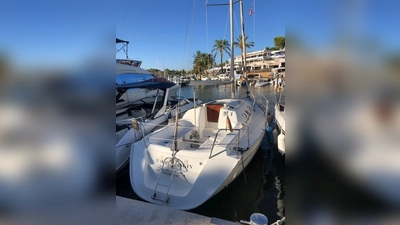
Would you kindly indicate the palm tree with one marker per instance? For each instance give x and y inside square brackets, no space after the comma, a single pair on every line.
[239,44]
[221,46]
[202,61]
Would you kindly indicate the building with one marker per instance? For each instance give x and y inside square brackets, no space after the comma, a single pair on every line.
[260,62]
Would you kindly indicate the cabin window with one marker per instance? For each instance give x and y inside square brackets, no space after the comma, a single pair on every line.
[127,78]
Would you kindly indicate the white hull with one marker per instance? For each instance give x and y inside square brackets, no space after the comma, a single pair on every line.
[123,146]
[280,122]
[196,176]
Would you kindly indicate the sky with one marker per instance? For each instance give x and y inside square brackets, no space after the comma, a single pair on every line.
[320,24]
[44,33]
[166,34]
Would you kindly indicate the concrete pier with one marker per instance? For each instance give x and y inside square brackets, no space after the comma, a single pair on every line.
[131,211]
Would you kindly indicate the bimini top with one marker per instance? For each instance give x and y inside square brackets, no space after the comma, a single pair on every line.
[121,41]
[121,89]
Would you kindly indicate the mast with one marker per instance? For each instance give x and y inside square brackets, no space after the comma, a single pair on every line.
[243,40]
[231,74]
[232,49]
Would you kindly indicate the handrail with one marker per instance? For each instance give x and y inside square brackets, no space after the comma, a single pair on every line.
[215,139]
[262,97]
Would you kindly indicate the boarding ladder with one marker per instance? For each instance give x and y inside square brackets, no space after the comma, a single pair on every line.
[173,165]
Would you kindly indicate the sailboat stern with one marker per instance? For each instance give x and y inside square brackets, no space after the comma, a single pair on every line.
[182,182]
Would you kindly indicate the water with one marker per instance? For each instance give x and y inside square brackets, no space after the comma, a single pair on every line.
[261,188]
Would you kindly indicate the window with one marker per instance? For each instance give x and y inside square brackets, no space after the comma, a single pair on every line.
[127,78]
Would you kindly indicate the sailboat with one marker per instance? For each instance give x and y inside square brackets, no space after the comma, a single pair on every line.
[184,164]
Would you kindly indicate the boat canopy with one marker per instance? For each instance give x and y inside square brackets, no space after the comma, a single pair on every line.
[147,84]
[121,41]
[121,89]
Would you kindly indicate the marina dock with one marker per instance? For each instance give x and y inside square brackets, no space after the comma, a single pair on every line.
[131,211]
[209,82]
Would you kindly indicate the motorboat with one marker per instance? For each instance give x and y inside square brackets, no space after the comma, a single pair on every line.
[149,112]
[280,125]
[279,131]
[128,74]
[182,165]
[181,80]
[128,71]
[263,82]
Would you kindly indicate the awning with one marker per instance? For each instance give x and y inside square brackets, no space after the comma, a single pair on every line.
[122,41]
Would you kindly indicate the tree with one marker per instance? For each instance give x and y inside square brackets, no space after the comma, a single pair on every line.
[239,41]
[155,72]
[221,46]
[279,42]
[202,61]
[239,44]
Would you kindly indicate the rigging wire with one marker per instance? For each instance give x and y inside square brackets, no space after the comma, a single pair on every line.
[236,24]
[254,20]
[206,23]
[191,34]
[184,47]
[227,23]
